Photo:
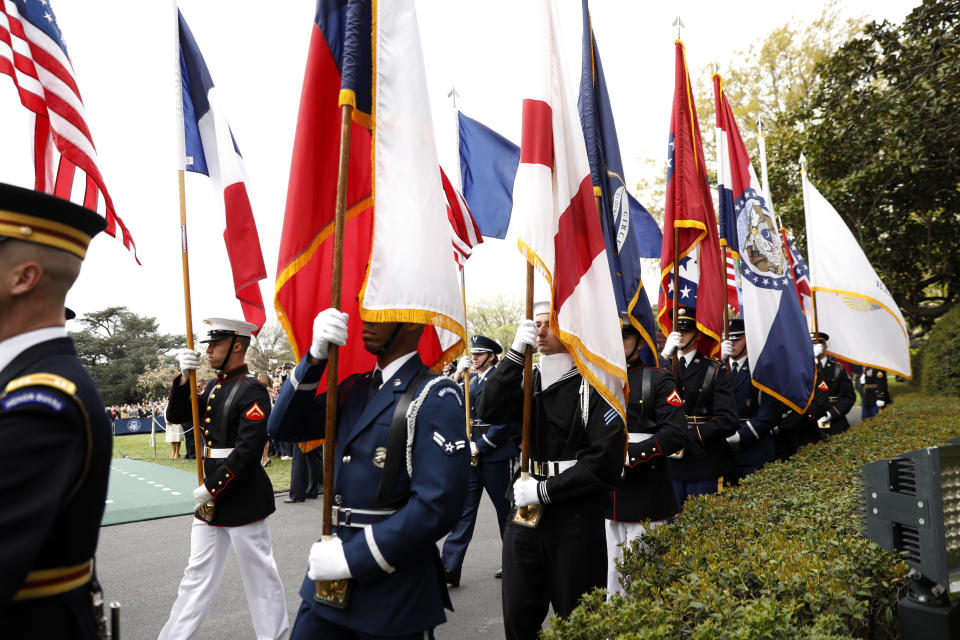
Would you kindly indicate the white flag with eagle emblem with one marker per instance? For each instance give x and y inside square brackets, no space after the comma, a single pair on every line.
[853,305]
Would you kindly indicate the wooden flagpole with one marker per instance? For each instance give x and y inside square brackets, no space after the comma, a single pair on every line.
[527,515]
[185,259]
[474,460]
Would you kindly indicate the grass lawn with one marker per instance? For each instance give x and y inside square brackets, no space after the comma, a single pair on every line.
[138,447]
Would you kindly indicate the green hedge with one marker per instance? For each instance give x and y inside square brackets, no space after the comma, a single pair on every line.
[941,356]
[781,556]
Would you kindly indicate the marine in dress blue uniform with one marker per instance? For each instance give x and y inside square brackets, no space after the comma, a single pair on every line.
[758,413]
[494,450]
[656,427]
[234,409]
[57,443]
[705,463]
[388,550]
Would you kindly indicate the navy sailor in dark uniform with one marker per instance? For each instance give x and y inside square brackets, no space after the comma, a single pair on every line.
[234,409]
[656,427]
[576,455]
[57,443]
[493,448]
[705,463]
[392,500]
[758,413]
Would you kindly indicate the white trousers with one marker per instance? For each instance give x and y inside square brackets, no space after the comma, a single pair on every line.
[619,535]
[209,547]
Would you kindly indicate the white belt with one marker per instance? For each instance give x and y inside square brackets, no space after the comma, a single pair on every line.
[218,453]
[638,437]
[550,468]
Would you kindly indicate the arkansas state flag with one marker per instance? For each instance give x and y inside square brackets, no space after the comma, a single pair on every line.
[210,149]
[689,212]
[781,356]
[554,208]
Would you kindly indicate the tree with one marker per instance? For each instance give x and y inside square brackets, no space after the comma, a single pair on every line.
[116,346]
[269,349]
[496,317]
[881,133]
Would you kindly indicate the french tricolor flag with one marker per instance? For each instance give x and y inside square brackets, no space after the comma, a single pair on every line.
[554,207]
[210,149]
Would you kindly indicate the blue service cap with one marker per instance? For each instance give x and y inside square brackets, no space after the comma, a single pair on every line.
[483,344]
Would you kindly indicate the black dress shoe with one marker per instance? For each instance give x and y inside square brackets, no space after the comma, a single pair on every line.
[499,573]
[311,497]
[452,580]
[291,500]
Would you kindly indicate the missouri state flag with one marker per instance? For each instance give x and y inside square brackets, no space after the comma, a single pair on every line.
[210,148]
[397,261]
[689,214]
[554,208]
[624,222]
[781,356]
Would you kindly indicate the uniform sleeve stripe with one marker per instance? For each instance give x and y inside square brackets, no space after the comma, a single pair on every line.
[487,440]
[375,550]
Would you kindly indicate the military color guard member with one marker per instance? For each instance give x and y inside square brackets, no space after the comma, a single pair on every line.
[56,451]
[841,395]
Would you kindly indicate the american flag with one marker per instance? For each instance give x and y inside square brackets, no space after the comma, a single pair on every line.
[34,55]
[464,232]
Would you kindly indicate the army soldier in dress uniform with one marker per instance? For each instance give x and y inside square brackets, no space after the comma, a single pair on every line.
[233,420]
[656,428]
[874,394]
[758,413]
[576,454]
[396,491]
[841,395]
[56,451]
[492,447]
[705,462]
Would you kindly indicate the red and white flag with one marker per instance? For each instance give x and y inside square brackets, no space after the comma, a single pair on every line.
[554,207]
[34,55]
[464,232]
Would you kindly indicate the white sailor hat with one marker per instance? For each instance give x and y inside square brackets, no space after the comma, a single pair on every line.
[541,306]
[220,328]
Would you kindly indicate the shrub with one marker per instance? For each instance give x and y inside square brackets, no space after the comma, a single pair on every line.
[780,556]
[941,356]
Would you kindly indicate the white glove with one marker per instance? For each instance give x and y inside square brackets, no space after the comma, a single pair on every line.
[881,403]
[201,496]
[817,349]
[825,418]
[526,337]
[734,441]
[463,364]
[863,379]
[525,492]
[673,343]
[189,360]
[726,349]
[327,561]
[474,451]
[329,327]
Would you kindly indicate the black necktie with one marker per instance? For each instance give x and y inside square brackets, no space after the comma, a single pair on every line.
[734,367]
[376,380]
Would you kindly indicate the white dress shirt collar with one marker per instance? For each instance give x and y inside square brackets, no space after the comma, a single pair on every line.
[394,366]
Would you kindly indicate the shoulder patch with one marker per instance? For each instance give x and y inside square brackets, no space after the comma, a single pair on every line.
[42,380]
[449,447]
[446,391]
[32,396]
[674,399]
[255,413]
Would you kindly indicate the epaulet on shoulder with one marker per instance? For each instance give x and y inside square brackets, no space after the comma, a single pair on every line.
[42,380]
[712,360]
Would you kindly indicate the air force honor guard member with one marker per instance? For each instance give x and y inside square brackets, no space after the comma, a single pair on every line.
[394,497]
[233,420]
[493,447]
[56,451]
[576,454]
[758,413]
[656,427]
[705,463]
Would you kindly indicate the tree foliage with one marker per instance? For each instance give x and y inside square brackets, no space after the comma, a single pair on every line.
[116,346]
[269,349]
[881,133]
[495,317]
